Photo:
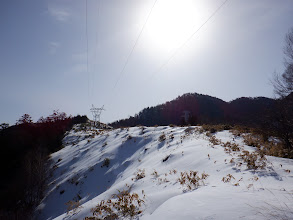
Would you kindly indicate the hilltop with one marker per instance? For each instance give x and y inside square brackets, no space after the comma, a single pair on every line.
[166,173]
[194,108]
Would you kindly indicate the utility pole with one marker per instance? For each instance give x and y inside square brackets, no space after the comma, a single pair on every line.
[96,114]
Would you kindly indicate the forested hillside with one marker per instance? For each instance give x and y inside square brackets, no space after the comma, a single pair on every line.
[25,149]
[193,108]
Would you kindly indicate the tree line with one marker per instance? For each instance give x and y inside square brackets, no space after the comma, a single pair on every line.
[25,149]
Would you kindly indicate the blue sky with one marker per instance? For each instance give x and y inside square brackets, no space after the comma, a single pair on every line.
[44,56]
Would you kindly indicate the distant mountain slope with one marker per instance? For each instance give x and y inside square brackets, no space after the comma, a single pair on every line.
[193,108]
[250,110]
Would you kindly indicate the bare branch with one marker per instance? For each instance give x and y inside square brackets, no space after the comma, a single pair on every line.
[283,83]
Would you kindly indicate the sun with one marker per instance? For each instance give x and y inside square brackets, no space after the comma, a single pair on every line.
[172,22]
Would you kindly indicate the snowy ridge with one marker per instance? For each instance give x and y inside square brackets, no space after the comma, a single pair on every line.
[231,191]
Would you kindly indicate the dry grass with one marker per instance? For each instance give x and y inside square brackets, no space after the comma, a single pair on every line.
[124,204]
[228,178]
[214,140]
[252,140]
[215,128]
[162,137]
[281,211]
[255,160]
[260,139]
[140,174]
[231,147]
[192,180]
[73,207]
[189,130]
[155,174]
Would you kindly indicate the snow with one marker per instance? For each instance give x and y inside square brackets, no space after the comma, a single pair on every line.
[79,174]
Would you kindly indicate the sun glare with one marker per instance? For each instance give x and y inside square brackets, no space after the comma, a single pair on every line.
[172,22]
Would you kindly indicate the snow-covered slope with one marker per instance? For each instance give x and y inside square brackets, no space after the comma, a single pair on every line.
[149,161]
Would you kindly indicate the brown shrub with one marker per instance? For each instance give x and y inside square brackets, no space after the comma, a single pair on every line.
[123,204]
[191,179]
[214,140]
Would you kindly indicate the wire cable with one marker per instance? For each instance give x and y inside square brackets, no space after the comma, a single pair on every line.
[87,50]
[131,52]
[187,40]
[96,67]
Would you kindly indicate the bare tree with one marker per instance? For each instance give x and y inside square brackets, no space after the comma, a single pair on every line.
[4,126]
[281,120]
[25,119]
[283,83]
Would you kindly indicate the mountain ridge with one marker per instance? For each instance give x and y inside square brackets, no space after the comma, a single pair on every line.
[201,109]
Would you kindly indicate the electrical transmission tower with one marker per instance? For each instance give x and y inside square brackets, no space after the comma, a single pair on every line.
[97,114]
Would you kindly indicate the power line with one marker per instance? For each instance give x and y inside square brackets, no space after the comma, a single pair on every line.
[188,39]
[131,52]
[87,50]
[175,52]
[127,60]
[96,48]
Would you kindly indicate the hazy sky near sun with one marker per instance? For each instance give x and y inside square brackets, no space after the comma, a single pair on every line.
[45,64]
